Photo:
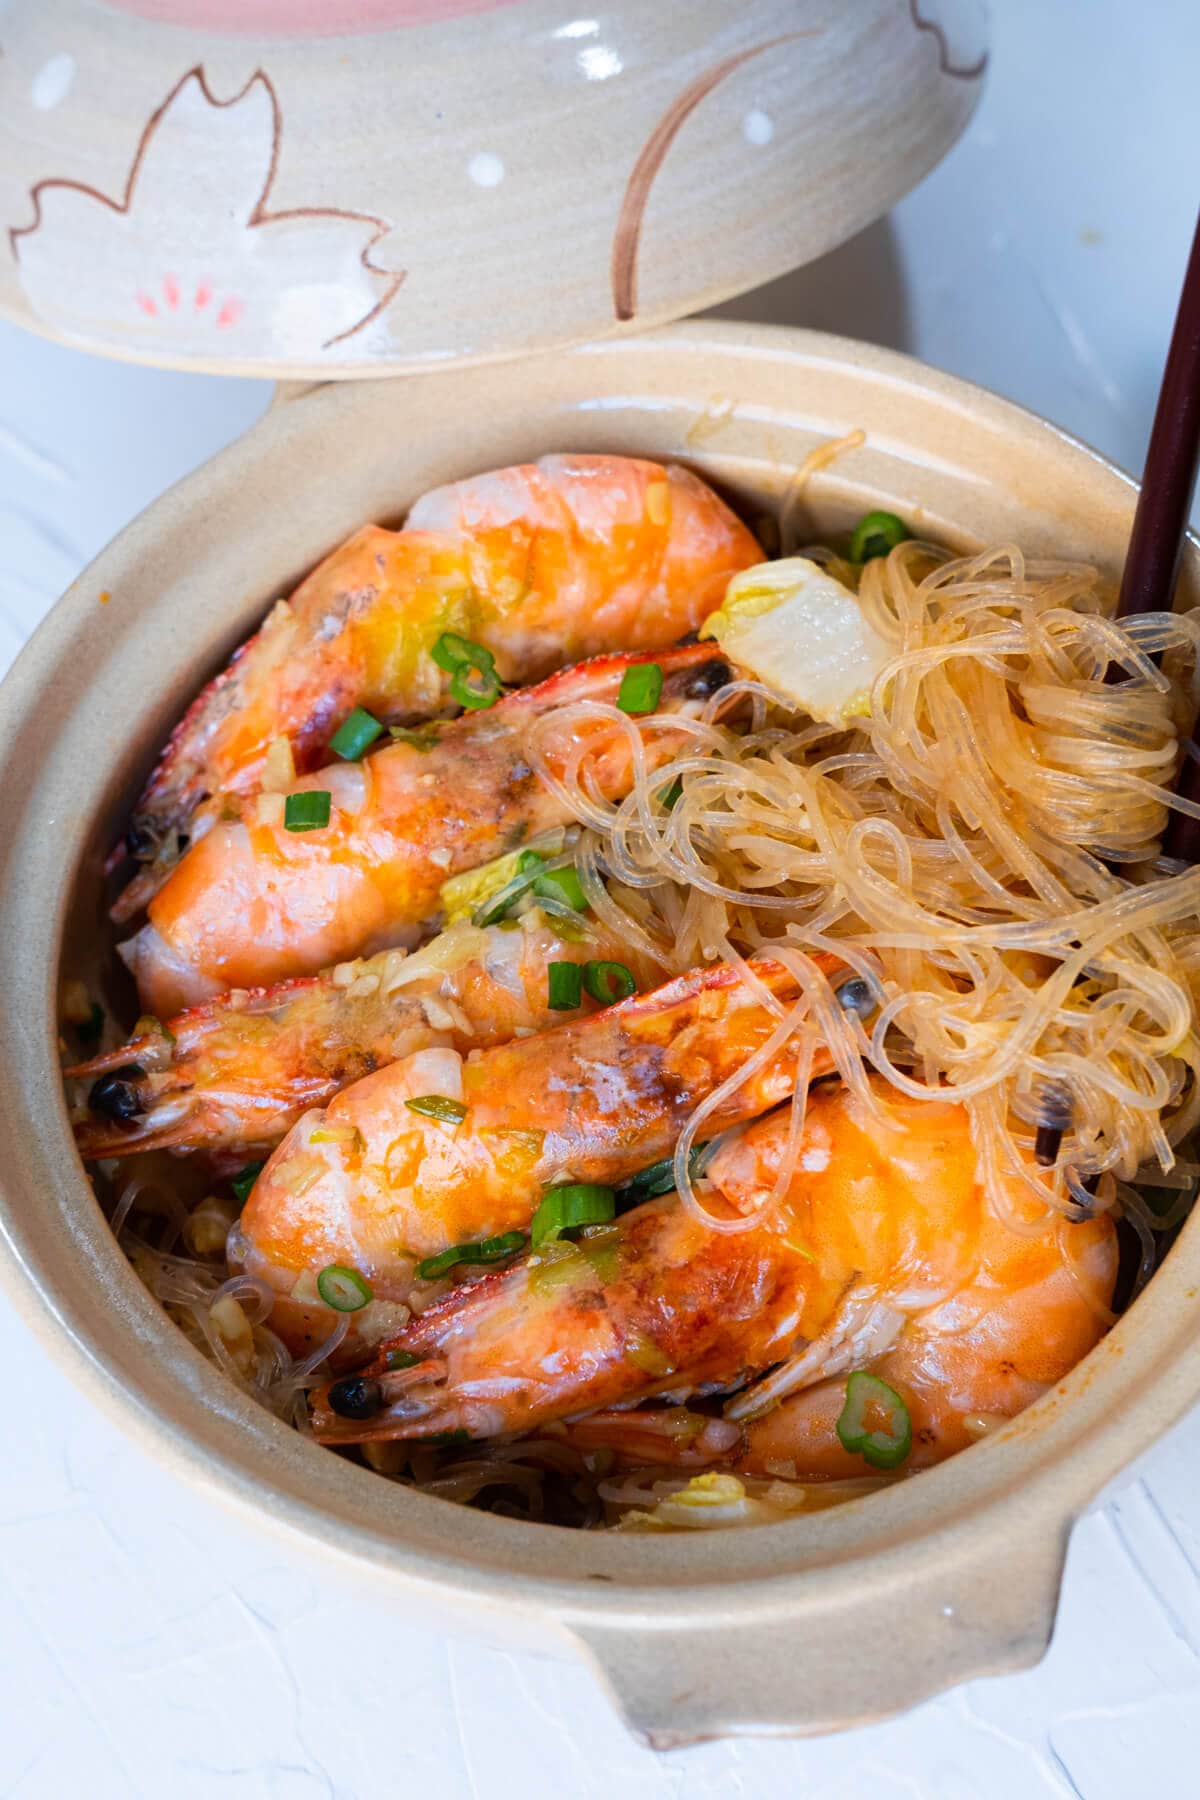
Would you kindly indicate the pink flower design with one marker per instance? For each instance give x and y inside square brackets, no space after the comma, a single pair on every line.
[167,298]
[292,286]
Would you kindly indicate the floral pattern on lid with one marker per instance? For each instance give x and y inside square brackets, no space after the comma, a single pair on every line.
[317,188]
[300,281]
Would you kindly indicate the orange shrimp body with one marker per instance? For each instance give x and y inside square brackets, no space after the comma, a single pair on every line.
[376,1186]
[984,1320]
[236,1074]
[654,1303]
[963,1368]
[254,902]
[883,1238]
[543,565]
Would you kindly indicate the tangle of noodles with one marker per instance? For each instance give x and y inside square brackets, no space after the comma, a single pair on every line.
[982,848]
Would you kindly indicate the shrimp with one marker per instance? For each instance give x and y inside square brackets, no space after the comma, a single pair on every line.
[237,1073]
[373,1184]
[254,901]
[882,1240]
[975,1321]
[962,1369]
[543,565]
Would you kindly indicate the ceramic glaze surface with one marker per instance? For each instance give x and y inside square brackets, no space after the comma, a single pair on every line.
[230,187]
[288,18]
[968,1577]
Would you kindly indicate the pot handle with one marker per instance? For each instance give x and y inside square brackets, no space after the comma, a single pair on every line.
[835,1658]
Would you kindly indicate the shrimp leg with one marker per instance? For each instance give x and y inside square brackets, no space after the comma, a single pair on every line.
[255,901]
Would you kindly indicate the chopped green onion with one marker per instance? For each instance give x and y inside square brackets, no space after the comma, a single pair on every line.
[567,1207]
[640,688]
[874,1423]
[562,884]
[608,982]
[553,884]
[308,811]
[490,1250]
[437,1106]
[355,735]
[93,1025]
[419,737]
[875,534]
[461,659]
[245,1179]
[477,695]
[669,795]
[565,983]
[342,1288]
[453,651]
[649,1183]
[659,1178]
[443,1439]
[402,1359]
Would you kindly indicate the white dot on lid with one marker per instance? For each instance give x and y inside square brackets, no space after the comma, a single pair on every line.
[486,169]
[599,62]
[758,127]
[52,82]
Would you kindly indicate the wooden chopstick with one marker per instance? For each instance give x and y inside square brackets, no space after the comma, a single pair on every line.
[1152,562]
[1160,521]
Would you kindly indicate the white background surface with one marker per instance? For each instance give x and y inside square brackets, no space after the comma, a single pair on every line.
[150,1645]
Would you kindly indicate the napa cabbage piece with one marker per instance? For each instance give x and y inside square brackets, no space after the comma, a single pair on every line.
[802,633]
[464,894]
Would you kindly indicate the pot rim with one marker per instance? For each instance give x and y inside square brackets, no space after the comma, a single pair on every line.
[1043,1467]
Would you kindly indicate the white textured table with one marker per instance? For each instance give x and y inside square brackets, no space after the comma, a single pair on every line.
[153,1646]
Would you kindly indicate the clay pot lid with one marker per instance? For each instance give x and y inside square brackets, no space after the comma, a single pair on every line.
[227,185]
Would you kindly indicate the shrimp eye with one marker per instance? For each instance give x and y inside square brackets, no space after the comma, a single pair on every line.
[708,678]
[115,1096]
[356,1397]
[855,996]
[140,840]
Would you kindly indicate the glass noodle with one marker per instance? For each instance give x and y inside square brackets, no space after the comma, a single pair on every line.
[981,848]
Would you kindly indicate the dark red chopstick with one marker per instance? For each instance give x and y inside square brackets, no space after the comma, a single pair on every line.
[1152,562]
[1160,521]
